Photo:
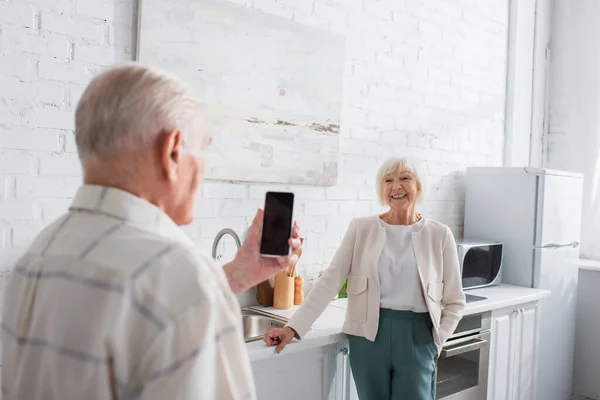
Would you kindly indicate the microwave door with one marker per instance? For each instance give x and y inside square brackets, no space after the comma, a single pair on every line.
[481,266]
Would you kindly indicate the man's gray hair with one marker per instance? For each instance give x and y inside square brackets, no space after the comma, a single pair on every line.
[405,164]
[126,107]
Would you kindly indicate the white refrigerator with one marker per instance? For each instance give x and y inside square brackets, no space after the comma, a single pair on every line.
[536,213]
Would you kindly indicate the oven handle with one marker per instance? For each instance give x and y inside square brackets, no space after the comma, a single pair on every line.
[473,344]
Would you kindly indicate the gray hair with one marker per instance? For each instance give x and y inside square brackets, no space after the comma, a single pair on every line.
[393,164]
[125,108]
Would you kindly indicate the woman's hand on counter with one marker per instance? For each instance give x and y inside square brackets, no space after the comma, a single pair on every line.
[279,337]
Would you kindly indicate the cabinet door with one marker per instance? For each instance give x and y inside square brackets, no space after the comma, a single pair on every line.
[305,375]
[502,355]
[524,373]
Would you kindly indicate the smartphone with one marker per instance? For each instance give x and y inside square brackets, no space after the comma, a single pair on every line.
[277,224]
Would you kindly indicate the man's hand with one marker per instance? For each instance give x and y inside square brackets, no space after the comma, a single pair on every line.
[249,268]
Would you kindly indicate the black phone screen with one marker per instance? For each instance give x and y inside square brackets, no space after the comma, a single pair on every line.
[277,223]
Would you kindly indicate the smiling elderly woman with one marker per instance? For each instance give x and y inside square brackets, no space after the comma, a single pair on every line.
[405,295]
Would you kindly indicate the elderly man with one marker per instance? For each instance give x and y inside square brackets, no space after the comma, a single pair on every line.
[113,301]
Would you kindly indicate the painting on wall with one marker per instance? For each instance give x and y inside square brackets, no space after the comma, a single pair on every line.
[271,88]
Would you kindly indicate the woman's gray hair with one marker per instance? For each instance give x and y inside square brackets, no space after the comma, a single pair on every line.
[126,107]
[406,164]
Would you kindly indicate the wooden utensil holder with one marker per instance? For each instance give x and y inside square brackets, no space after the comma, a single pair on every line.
[298,290]
[283,291]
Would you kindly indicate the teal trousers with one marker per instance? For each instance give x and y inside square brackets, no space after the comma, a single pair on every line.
[400,363]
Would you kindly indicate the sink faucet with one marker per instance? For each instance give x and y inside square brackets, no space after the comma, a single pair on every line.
[223,232]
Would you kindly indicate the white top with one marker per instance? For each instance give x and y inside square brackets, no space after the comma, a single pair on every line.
[398,273]
[114,301]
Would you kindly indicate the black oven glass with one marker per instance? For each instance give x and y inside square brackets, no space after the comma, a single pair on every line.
[481,265]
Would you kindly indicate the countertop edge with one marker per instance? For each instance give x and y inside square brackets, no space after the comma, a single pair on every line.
[258,351]
[539,295]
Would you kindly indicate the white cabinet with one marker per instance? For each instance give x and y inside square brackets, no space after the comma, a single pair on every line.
[513,353]
[318,373]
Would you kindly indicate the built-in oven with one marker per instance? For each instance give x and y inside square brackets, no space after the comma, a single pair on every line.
[462,367]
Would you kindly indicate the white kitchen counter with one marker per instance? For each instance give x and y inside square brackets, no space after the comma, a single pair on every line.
[327,329]
[590,265]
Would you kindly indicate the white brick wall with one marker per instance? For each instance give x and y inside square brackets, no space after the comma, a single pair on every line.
[421,78]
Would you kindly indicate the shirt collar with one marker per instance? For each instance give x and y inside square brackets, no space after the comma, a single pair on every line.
[128,207]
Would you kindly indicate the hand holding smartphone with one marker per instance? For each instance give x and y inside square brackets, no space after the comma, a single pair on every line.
[277,224]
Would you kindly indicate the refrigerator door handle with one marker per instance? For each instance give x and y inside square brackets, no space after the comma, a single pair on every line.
[559,246]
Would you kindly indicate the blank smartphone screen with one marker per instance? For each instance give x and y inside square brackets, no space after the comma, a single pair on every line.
[277,224]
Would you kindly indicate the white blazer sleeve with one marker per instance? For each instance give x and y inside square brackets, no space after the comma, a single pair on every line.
[327,286]
[453,298]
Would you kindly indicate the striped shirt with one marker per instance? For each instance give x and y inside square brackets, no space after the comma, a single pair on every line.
[114,301]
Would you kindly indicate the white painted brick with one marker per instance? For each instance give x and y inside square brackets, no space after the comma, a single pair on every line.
[99,55]
[24,140]
[18,14]
[376,149]
[377,208]
[430,28]
[337,228]
[313,208]
[22,210]
[303,193]
[23,235]
[14,162]
[381,90]
[381,120]
[48,45]
[72,72]
[350,146]
[419,140]
[52,22]
[55,118]
[215,190]
[103,9]
[70,145]
[310,19]
[311,225]
[274,8]
[191,231]
[3,185]
[326,11]
[61,165]
[239,208]
[47,187]
[52,209]
[365,134]
[367,193]
[18,66]
[341,193]
[404,21]
[242,2]
[257,191]
[51,93]
[355,208]
[209,227]
[395,137]
[75,93]
[439,75]
[206,208]
[8,258]
[378,9]
[13,88]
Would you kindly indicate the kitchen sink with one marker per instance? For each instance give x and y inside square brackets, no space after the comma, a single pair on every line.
[257,322]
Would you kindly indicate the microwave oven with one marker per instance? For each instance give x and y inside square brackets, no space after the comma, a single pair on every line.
[480,263]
